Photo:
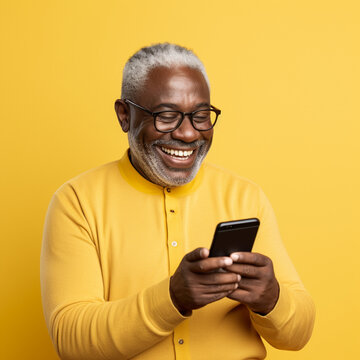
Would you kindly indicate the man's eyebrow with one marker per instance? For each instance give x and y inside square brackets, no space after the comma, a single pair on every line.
[202,105]
[166,105]
[176,106]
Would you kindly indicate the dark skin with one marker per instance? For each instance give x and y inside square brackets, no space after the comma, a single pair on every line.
[197,283]
[258,288]
[249,278]
[182,89]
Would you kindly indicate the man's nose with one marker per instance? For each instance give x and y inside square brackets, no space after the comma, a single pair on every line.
[186,132]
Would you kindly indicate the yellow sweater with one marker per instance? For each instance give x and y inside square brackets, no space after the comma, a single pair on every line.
[111,242]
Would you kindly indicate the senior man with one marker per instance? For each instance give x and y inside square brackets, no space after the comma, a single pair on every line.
[125,265]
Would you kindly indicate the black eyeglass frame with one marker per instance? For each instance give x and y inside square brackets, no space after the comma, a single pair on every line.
[183,114]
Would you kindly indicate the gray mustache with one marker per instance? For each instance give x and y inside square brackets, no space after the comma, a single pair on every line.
[179,143]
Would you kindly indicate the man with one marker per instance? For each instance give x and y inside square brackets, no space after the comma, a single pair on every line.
[125,264]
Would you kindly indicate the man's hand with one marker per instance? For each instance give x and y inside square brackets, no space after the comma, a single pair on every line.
[258,287]
[196,283]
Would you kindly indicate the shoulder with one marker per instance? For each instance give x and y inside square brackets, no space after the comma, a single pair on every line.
[228,185]
[95,178]
[216,174]
[241,195]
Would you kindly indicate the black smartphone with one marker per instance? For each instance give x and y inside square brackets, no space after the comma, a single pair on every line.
[234,236]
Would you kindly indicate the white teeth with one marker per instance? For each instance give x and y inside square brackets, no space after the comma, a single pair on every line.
[178,153]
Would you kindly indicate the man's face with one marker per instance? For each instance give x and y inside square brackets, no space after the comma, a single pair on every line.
[152,152]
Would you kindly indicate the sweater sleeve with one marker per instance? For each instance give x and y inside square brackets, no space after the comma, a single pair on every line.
[81,323]
[289,325]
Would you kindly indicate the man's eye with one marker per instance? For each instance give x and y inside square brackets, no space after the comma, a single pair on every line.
[201,115]
[168,116]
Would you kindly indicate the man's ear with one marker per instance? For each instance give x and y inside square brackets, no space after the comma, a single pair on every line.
[123,114]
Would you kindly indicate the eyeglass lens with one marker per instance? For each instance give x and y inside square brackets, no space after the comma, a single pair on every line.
[169,120]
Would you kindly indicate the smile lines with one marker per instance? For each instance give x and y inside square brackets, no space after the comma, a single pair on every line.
[179,153]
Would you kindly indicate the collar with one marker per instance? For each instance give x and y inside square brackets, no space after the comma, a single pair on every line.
[130,174]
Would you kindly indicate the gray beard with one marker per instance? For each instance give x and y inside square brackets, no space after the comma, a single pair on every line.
[153,167]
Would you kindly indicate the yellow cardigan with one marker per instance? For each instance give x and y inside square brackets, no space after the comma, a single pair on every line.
[111,242]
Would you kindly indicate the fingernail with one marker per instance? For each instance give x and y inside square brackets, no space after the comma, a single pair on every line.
[228,261]
[238,277]
[235,257]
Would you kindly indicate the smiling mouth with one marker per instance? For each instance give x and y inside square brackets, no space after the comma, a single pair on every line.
[177,154]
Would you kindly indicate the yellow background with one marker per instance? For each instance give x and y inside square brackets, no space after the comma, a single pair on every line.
[286,76]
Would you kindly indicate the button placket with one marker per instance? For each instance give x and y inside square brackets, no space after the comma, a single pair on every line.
[176,251]
[174,229]
[181,342]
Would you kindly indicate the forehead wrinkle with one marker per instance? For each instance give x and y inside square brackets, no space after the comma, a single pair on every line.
[182,89]
[172,106]
[179,99]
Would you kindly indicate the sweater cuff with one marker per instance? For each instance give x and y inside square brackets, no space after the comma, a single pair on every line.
[158,310]
[279,314]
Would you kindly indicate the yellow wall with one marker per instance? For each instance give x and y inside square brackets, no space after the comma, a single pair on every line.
[286,76]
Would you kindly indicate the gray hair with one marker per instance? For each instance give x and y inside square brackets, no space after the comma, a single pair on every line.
[159,55]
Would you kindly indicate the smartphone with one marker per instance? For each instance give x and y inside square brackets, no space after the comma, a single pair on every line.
[234,236]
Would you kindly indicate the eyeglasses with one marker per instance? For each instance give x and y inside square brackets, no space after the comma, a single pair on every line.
[168,121]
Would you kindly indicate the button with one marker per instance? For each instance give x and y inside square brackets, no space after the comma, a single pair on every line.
[174,243]
[168,189]
[181,341]
[172,211]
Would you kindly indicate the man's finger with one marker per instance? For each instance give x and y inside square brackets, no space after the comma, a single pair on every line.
[197,254]
[216,296]
[210,264]
[255,259]
[248,284]
[219,278]
[241,295]
[245,270]
[215,289]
